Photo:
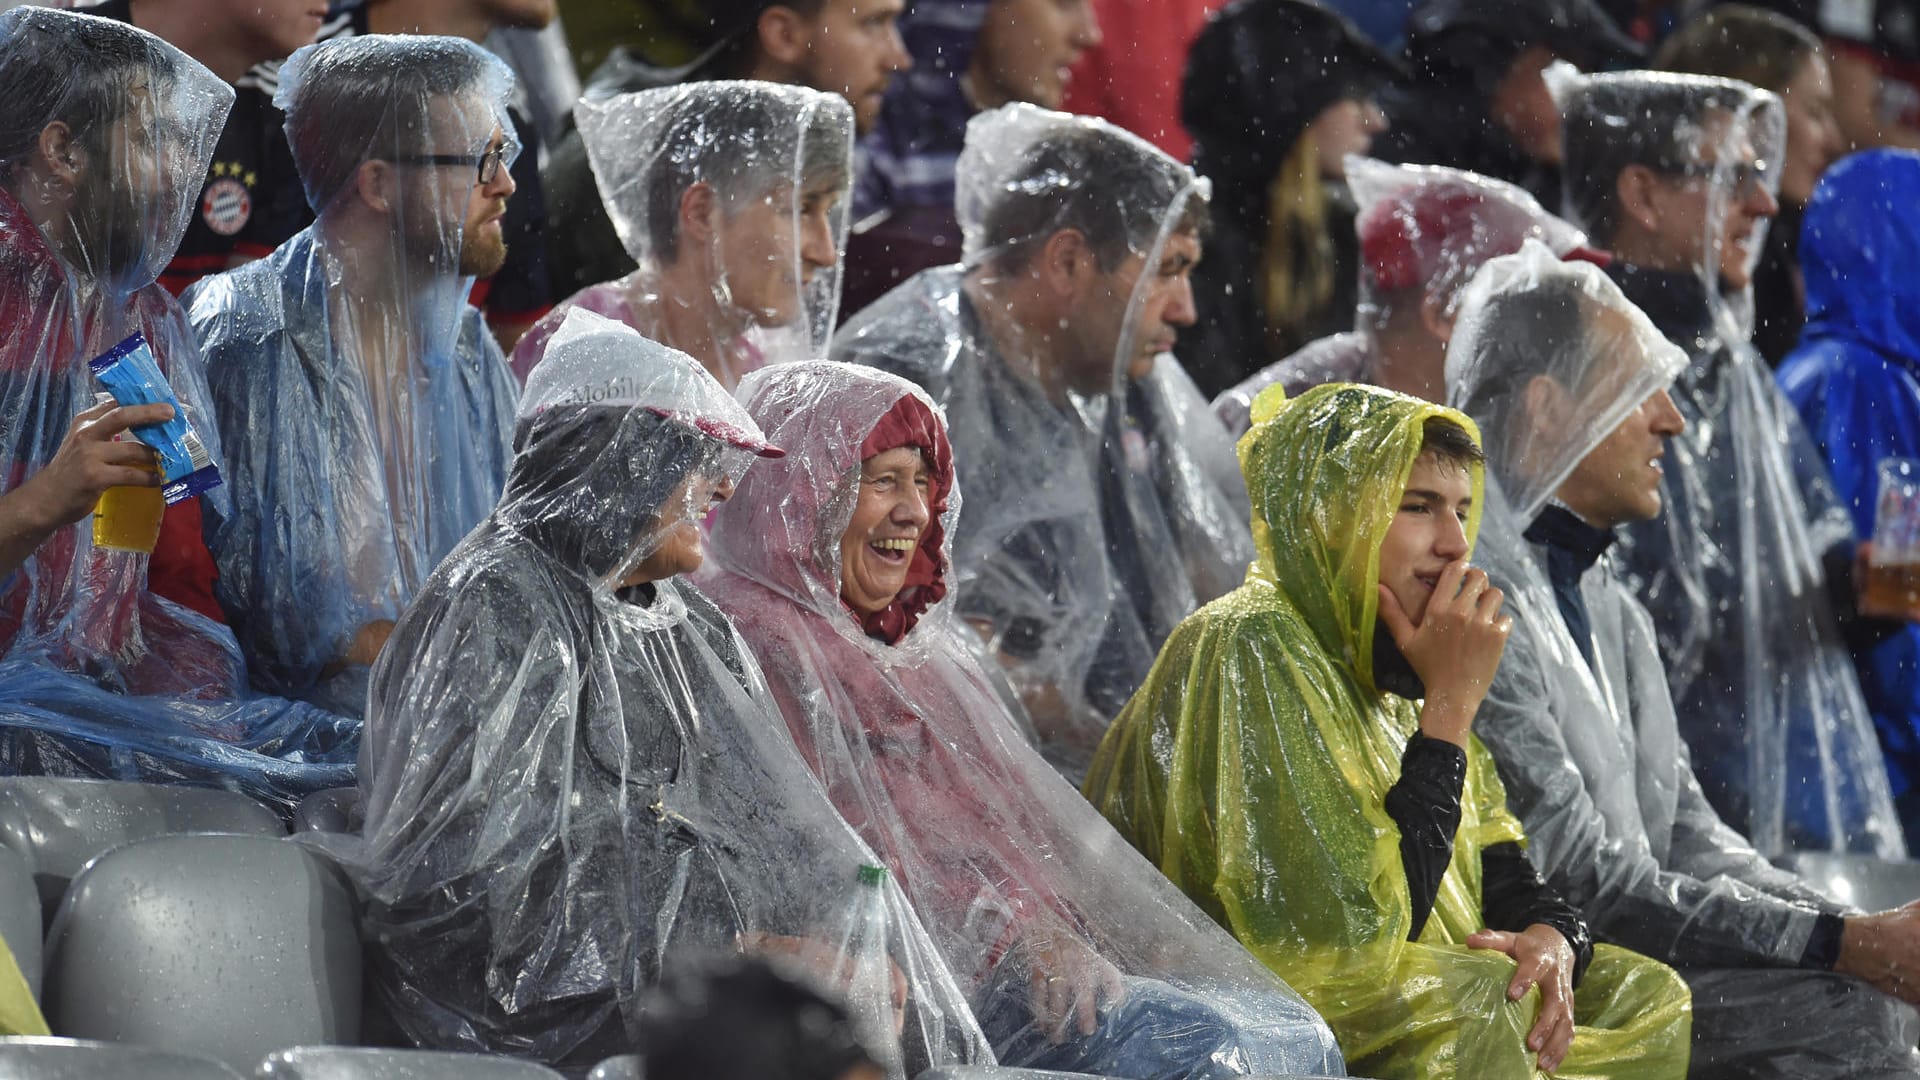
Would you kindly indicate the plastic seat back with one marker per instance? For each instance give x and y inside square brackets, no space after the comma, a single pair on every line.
[228,946]
[1861,880]
[369,1063]
[624,1067]
[78,1059]
[59,823]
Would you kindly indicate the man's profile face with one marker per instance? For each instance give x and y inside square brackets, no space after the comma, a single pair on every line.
[1099,325]
[450,221]
[1711,219]
[483,247]
[854,50]
[1027,49]
[128,197]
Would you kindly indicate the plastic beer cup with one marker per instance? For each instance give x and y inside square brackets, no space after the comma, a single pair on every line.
[1893,571]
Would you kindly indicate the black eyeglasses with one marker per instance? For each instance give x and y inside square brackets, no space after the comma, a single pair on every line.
[1747,176]
[488,165]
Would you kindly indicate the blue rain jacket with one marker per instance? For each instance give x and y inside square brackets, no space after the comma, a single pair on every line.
[346,490]
[1856,381]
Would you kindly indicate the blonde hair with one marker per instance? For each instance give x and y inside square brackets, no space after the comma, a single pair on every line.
[1296,272]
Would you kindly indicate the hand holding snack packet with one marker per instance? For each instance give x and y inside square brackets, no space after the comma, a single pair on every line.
[132,376]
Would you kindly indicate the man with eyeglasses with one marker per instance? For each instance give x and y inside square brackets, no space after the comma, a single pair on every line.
[1750,571]
[366,410]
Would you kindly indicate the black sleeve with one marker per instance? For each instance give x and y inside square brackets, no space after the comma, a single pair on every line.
[1513,898]
[1425,803]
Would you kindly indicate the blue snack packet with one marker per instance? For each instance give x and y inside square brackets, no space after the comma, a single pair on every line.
[132,376]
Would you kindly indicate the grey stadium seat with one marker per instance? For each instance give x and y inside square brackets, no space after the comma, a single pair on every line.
[369,1063]
[624,1067]
[75,1059]
[59,823]
[228,946]
[1861,880]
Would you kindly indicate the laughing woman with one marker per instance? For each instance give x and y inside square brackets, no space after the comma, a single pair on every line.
[1075,954]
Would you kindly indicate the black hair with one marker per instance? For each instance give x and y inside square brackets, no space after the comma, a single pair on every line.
[74,69]
[720,140]
[742,1019]
[361,97]
[1610,124]
[1100,184]
[1534,324]
[1450,444]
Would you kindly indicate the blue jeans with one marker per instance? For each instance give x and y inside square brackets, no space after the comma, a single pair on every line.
[1163,1033]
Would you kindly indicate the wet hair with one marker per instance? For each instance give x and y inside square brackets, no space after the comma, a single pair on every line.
[72,69]
[1535,324]
[743,1019]
[724,141]
[1736,41]
[1450,444]
[1103,186]
[1664,121]
[354,99]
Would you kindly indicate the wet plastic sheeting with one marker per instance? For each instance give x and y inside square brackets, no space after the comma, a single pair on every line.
[1553,356]
[769,168]
[366,410]
[1017,878]
[1423,231]
[1253,767]
[103,675]
[1596,766]
[1108,506]
[572,781]
[1732,569]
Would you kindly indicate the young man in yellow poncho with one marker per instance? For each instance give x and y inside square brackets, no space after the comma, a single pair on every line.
[1300,762]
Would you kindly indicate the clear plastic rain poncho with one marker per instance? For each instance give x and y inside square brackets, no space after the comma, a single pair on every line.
[366,411]
[572,770]
[1549,359]
[1253,768]
[1423,231]
[117,664]
[1017,878]
[1106,509]
[731,197]
[1732,570]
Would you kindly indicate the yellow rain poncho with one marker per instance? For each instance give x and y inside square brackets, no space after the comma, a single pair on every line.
[1253,765]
